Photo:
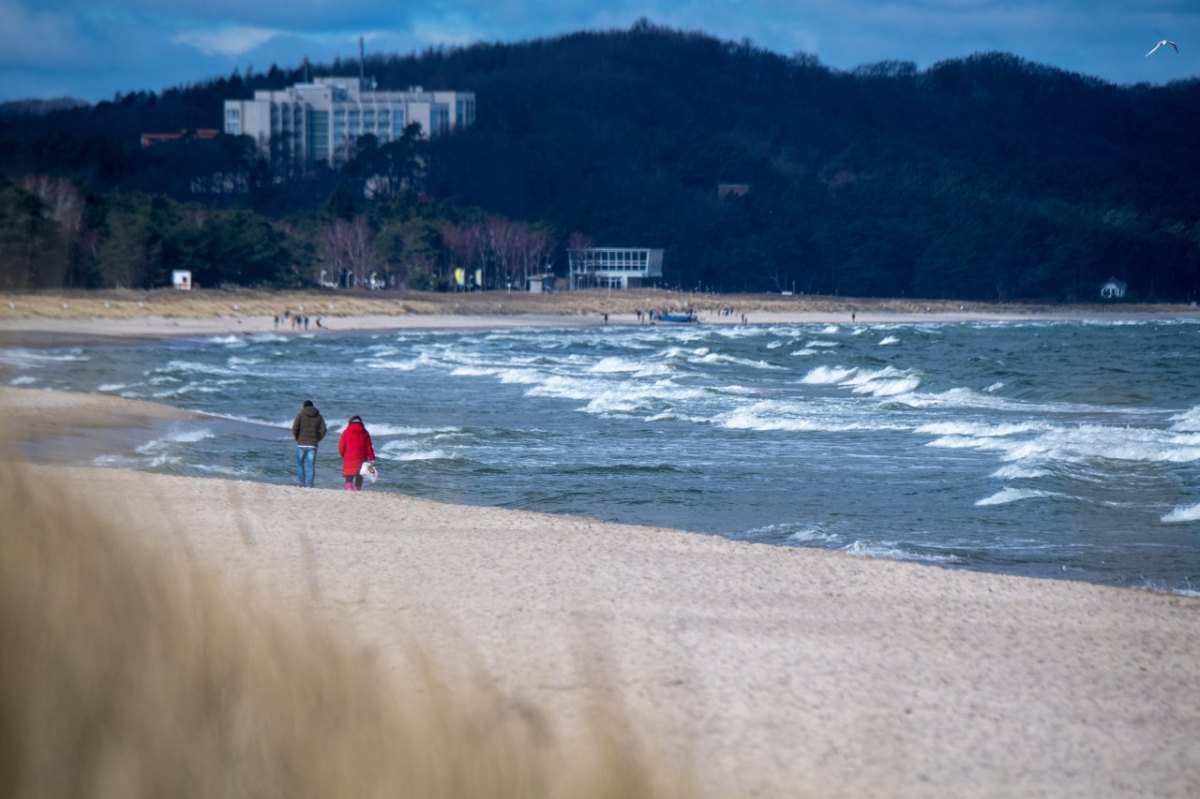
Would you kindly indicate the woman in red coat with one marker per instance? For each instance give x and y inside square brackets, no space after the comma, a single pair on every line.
[355,448]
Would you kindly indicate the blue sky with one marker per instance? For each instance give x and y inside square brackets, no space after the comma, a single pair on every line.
[92,49]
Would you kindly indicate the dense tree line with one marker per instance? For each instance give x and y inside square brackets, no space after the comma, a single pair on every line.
[985,177]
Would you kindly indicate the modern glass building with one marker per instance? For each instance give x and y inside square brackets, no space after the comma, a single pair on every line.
[322,120]
[614,267]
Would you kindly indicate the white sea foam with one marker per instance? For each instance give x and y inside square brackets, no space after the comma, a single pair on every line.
[404,452]
[118,461]
[887,341]
[630,366]
[895,552]
[380,430]
[819,344]
[813,535]
[522,377]
[979,430]
[1188,421]
[111,387]
[22,358]
[177,436]
[613,364]
[1183,513]
[889,388]
[971,442]
[886,382]
[1090,442]
[710,358]
[564,388]
[395,366]
[770,415]
[1016,471]
[627,398]
[1008,494]
[24,380]
[472,371]
[191,367]
[183,390]
[233,417]
[828,375]
[737,390]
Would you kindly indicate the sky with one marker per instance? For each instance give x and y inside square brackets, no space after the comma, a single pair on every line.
[94,49]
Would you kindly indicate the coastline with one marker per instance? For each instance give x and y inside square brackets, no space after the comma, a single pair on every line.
[775,671]
[50,318]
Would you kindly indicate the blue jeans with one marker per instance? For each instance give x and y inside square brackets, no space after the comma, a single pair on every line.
[306,465]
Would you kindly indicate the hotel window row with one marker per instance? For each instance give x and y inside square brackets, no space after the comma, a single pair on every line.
[322,120]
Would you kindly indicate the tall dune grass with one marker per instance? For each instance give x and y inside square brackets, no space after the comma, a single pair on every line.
[129,672]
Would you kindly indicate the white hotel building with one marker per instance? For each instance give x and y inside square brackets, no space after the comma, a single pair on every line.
[322,120]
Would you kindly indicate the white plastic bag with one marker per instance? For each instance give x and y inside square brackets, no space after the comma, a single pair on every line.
[369,471]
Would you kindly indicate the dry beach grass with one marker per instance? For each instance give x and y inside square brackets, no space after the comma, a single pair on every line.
[129,671]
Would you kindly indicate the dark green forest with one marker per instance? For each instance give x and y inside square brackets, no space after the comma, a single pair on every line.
[981,178]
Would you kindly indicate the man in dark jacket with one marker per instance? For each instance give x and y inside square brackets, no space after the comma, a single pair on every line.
[308,430]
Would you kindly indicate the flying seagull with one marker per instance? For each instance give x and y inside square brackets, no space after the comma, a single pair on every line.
[1163,43]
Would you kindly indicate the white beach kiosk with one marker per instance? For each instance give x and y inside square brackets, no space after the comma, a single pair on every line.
[182,279]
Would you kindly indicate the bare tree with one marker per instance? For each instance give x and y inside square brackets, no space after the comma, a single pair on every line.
[347,251]
[577,244]
[464,245]
[507,252]
[503,239]
[64,207]
[63,203]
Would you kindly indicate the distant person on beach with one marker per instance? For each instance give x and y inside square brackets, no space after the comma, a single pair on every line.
[308,429]
[355,448]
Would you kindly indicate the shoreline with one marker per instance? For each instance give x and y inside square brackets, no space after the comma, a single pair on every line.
[773,670]
[64,332]
[124,315]
[62,428]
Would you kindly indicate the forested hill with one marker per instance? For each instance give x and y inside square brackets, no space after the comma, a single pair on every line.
[986,177]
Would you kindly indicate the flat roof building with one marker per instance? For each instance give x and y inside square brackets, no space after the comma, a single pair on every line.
[614,267]
[322,120]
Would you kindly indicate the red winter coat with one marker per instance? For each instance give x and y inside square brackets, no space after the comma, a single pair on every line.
[355,448]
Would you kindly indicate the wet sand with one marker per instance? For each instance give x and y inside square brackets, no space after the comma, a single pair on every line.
[770,671]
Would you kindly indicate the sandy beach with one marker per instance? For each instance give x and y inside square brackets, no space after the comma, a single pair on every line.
[31,317]
[761,671]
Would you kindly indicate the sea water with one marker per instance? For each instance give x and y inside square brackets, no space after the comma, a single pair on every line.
[1055,449]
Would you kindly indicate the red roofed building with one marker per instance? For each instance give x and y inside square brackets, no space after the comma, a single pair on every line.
[184,133]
